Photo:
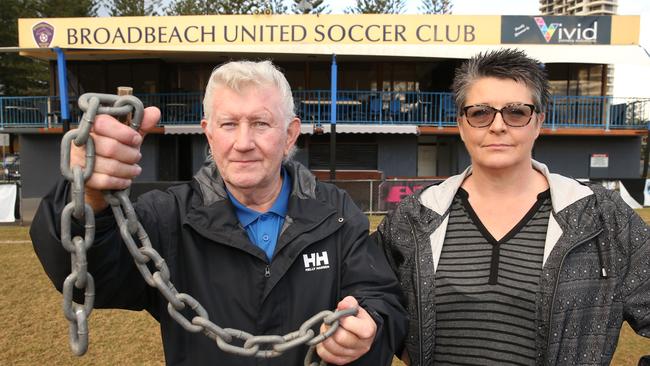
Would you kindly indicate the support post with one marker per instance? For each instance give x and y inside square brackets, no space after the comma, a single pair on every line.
[125,90]
[646,153]
[62,76]
[333,119]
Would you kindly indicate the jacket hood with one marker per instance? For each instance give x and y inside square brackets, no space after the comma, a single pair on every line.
[213,188]
[564,192]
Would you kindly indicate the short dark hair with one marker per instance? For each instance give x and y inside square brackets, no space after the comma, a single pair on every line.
[505,63]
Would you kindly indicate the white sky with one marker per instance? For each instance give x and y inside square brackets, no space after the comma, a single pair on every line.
[518,7]
[505,7]
[629,80]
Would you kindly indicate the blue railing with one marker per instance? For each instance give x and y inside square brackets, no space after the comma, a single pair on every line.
[176,108]
[358,107]
[368,107]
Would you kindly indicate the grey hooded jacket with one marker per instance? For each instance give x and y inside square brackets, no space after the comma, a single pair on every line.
[595,275]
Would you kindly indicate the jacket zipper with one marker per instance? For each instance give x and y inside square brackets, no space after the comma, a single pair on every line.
[557,281]
[417,289]
[267,269]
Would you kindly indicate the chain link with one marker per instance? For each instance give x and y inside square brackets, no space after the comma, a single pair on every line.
[180,305]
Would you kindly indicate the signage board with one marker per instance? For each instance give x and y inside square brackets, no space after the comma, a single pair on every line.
[4,139]
[599,161]
[556,29]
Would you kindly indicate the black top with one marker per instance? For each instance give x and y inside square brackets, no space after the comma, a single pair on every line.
[485,288]
[323,255]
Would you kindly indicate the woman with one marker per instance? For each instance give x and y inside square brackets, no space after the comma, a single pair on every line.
[508,263]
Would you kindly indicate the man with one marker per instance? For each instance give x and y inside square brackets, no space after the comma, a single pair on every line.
[254,238]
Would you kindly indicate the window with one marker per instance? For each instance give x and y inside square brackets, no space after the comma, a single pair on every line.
[575,79]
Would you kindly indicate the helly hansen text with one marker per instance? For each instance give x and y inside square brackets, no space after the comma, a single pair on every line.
[316,261]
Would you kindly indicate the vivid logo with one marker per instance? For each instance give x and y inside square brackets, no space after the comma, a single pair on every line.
[547,31]
[572,34]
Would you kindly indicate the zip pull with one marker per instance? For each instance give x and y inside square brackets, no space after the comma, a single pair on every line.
[267,271]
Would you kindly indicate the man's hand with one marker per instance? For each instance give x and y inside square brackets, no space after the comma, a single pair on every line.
[117,149]
[352,339]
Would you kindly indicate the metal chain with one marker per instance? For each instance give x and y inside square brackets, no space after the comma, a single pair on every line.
[132,232]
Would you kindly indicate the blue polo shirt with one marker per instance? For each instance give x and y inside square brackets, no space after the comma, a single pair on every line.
[263,228]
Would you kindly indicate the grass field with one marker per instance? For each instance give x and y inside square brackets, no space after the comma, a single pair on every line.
[34,331]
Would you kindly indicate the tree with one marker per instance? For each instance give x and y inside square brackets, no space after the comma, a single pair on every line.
[309,7]
[270,6]
[377,7]
[21,75]
[67,8]
[236,7]
[125,8]
[435,7]
[207,7]
[193,7]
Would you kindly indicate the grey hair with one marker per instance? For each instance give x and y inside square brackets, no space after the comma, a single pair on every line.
[238,75]
[503,63]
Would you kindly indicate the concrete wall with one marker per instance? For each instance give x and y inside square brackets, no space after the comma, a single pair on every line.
[566,155]
[150,159]
[40,167]
[199,151]
[39,162]
[302,156]
[570,155]
[398,155]
[461,158]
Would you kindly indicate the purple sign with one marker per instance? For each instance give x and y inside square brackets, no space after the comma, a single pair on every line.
[43,34]
[392,191]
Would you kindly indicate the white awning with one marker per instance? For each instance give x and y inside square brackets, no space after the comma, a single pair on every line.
[576,53]
[359,128]
[309,129]
[183,129]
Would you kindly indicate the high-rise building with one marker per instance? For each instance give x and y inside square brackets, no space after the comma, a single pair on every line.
[578,7]
[583,7]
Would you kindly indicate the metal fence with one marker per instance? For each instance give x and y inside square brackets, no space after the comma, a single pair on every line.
[10,168]
[176,108]
[600,112]
[375,196]
[364,192]
[359,107]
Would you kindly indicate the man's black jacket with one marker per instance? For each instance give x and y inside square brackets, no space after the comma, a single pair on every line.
[322,255]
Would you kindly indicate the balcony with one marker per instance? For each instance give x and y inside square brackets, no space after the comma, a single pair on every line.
[314,107]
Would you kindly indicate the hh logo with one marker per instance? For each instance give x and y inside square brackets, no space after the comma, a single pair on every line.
[316,261]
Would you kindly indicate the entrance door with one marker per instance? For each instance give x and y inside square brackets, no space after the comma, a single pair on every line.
[427,160]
